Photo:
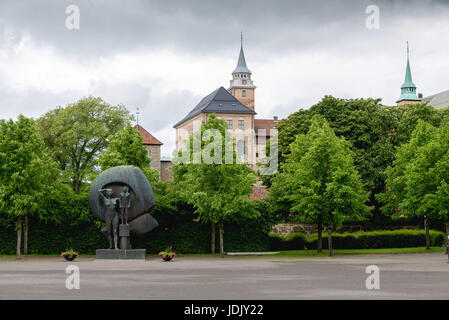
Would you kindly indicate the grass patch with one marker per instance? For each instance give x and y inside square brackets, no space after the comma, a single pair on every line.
[305,253]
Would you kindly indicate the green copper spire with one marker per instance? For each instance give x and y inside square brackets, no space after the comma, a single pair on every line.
[408,88]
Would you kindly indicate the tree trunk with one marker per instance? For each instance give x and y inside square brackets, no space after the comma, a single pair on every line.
[426,226]
[76,187]
[212,241]
[19,236]
[221,240]
[447,234]
[25,235]
[319,244]
[329,240]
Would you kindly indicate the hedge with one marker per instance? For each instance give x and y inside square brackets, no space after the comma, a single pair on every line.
[359,240]
[294,241]
[177,230]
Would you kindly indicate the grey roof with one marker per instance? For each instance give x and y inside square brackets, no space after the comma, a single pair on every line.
[439,100]
[241,64]
[219,101]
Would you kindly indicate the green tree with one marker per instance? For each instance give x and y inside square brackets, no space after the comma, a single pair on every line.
[218,190]
[126,148]
[417,181]
[365,123]
[77,133]
[27,175]
[374,131]
[319,181]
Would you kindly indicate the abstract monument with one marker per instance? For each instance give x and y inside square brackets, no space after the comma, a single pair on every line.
[121,197]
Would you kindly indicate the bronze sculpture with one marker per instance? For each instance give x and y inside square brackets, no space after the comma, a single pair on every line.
[111,216]
[124,192]
[125,203]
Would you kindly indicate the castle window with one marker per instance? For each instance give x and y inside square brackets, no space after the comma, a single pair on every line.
[230,124]
[244,93]
[241,124]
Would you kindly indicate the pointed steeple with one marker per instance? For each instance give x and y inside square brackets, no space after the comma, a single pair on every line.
[242,86]
[241,63]
[408,88]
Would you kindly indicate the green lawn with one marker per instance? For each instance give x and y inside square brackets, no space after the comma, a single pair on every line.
[325,253]
[305,253]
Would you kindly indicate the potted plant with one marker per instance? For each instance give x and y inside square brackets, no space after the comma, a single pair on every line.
[69,255]
[167,255]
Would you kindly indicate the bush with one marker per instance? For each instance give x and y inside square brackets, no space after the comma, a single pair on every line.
[358,240]
[294,241]
[379,239]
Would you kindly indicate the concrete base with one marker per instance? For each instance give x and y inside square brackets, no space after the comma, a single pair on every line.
[121,254]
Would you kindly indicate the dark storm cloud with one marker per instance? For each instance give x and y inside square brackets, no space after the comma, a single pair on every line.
[200,27]
[302,41]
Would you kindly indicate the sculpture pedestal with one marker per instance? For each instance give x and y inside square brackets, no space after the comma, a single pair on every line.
[121,254]
[123,233]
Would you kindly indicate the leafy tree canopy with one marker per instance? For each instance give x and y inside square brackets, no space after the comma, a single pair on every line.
[318,180]
[27,172]
[218,191]
[77,133]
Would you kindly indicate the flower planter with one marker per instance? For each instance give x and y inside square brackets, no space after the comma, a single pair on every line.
[167,258]
[70,257]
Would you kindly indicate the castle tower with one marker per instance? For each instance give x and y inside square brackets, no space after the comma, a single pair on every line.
[408,88]
[242,87]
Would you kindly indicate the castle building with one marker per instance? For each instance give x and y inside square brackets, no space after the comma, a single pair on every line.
[236,106]
[153,147]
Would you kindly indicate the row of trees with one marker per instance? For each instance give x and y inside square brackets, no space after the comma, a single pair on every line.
[382,146]
[341,159]
[46,162]
[51,160]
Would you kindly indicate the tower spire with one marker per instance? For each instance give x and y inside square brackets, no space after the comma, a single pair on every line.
[242,86]
[408,88]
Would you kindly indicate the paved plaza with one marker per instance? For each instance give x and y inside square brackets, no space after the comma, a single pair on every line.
[402,276]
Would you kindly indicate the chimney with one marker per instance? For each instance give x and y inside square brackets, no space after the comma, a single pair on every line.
[275,118]
[420,95]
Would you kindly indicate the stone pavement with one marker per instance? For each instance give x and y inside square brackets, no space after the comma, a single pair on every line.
[402,276]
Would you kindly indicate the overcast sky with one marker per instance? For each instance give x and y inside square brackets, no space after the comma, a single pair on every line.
[164,56]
